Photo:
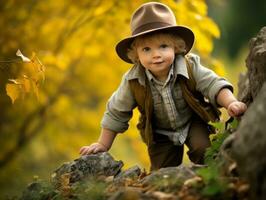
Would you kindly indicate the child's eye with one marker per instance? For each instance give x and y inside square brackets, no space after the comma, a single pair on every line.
[164,46]
[145,49]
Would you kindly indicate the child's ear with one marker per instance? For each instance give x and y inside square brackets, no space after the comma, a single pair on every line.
[179,51]
[137,57]
[138,61]
[176,50]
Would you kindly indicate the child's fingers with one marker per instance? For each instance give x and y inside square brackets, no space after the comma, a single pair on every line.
[82,150]
[86,150]
[231,113]
[89,151]
[93,148]
[97,149]
[240,109]
[237,109]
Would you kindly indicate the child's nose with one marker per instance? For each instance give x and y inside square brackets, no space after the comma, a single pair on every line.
[156,53]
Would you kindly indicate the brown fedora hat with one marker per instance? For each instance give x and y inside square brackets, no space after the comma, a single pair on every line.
[151,17]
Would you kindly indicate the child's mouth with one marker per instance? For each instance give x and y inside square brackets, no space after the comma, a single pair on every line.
[157,63]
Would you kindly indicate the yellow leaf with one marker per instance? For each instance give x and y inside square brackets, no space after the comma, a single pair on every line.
[35,89]
[218,67]
[214,29]
[34,70]
[13,91]
[104,7]
[39,68]
[26,84]
[199,6]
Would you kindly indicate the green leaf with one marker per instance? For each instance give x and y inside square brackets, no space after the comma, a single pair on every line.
[219,126]
[234,124]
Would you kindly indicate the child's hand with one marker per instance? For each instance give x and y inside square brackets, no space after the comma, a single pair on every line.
[236,108]
[93,148]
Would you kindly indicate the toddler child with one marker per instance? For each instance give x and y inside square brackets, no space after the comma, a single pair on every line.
[169,86]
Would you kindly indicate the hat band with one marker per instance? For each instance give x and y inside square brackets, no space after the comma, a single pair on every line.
[150,27]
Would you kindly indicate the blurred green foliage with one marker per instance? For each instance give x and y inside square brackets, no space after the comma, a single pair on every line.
[239,21]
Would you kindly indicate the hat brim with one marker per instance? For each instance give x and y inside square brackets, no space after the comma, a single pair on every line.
[185,33]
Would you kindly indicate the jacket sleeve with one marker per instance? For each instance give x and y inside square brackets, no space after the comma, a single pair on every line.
[119,108]
[207,81]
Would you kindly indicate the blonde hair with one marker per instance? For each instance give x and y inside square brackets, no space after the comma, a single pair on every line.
[167,38]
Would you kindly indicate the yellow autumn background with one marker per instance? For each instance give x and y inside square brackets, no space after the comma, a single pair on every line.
[49,113]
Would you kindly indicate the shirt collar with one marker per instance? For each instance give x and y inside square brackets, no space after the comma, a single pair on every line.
[136,72]
[181,66]
[152,78]
[178,68]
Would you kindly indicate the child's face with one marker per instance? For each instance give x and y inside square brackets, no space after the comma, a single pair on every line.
[156,55]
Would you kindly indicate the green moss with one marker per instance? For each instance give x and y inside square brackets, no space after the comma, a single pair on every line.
[89,190]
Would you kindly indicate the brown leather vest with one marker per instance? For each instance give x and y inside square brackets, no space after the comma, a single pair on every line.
[193,98]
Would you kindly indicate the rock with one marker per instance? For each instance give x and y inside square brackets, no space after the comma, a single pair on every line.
[38,191]
[131,173]
[130,194]
[162,196]
[243,88]
[249,145]
[166,179]
[95,165]
[256,65]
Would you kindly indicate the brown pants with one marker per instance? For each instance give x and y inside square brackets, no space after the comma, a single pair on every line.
[165,154]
